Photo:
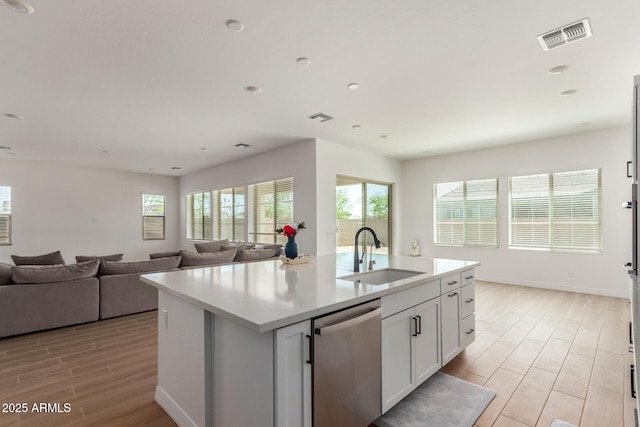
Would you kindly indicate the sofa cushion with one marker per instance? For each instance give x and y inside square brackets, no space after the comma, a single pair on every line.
[146,266]
[254,254]
[237,245]
[46,259]
[6,276]
[190,259]
[54,273]
[212,246]
[163,254]
[114,257]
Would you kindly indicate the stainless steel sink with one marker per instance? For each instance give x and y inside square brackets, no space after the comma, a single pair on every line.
[381,277]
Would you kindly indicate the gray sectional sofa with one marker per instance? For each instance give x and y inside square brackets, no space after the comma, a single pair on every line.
[43,292]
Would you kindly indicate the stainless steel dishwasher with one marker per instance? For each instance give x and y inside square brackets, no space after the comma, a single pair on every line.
[346,367]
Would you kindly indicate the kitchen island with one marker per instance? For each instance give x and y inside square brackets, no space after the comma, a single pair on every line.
[233,341]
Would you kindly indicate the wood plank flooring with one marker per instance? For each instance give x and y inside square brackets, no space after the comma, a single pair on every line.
[547,354]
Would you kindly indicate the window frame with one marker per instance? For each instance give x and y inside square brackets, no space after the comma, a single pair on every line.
[206,221]
[146,216]
[252,226]
[9,218]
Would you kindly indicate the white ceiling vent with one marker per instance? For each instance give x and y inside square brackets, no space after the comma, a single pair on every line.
[564,35]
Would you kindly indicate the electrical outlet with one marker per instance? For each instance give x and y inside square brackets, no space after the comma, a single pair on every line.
[165,319]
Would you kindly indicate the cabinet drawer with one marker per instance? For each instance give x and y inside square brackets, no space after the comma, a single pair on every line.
[468,300]
[468,330]
[449,283]
[467,277]
[395,303]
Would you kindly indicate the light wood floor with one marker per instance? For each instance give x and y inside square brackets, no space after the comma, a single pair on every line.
[549,354]
[546,354]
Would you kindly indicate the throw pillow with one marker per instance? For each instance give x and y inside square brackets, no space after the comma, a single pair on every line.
[146,266]
[212,246]
[163,254]
[190,259]
[255,254]
[6,276]
[237,245]
[114,257]
[54,273]
[46,259]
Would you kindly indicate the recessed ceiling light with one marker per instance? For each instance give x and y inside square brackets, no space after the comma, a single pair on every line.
[569,92]
[19,6]
[557,70]
[203,148]
[234,25]
[4,147]
[105,151]
[11,115]
[177,168]
[383,136]
[303,61]
[253,89]
[353,86]
[356,127]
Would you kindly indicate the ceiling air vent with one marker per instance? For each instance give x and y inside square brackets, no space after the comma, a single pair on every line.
[322,116]
[567,34]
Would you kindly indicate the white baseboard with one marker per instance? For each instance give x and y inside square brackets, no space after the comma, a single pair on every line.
[171,407]
[557,287]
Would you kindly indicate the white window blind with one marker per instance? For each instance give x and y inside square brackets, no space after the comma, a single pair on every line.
[271,207]
[153,220]
[229,218]
[466,213]
[199,216]
[557,211]
[5,215]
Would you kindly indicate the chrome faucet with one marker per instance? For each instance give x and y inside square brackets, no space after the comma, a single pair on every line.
[356,258]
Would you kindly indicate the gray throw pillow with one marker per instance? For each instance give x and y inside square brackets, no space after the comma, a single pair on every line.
[146,266]
[255,254]
[54,273]
[212,246]
[6,276]
[238,246]
[190,259]
[46,259]
[114,257]
[163,254]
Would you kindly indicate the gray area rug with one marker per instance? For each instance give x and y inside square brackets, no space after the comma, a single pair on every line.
[441,401]
[559,423]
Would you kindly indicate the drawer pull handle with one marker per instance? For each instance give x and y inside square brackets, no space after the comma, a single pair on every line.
[452,283]
[468,277]
[452,295]
[470,332]
[469,300]
[415,326]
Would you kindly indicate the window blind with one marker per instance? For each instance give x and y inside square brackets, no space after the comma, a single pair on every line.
[466,213]
[153,218]
[5,215]
[230,213]
[556,211]
[199,216]
[271,207]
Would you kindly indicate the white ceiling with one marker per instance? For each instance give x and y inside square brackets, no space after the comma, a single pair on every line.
[154,82]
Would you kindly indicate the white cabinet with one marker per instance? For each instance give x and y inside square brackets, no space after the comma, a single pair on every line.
[468,308]
[410,342]
[450,302]
[293,376]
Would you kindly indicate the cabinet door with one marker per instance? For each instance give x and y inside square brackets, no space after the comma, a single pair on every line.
[450,303]
[468,300]
[468,330]
[397,356]
[293,376]
[427,340]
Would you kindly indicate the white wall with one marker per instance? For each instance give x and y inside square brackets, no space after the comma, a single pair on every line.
[295,161]
[597,273]
[83,211]
[333,159]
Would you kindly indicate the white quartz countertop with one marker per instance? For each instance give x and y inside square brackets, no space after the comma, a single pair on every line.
[268,295]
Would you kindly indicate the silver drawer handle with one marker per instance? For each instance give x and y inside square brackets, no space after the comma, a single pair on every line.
[452,295]
[469,300]
[470,332]
[452,283]
[468,277]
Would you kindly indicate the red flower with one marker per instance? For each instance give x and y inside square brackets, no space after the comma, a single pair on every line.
[289,231]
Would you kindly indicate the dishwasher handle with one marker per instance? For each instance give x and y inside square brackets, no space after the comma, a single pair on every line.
[349,323]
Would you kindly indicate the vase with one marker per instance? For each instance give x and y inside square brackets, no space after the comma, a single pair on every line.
[291,248]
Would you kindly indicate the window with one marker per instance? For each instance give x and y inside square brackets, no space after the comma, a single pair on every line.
[153,216]
[199,216]
[229,219]
[271,207]
[466,213]
[5,215]
[556,211]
